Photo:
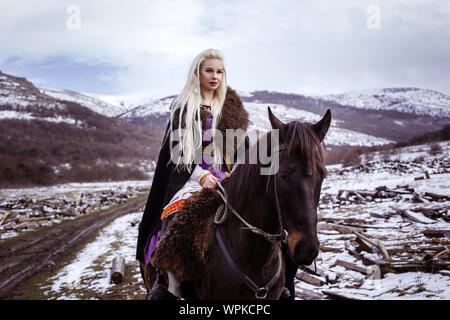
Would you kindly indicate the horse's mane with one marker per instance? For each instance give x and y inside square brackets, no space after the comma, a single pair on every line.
[246,183]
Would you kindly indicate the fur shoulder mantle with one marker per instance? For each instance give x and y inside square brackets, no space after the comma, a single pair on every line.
[233,115]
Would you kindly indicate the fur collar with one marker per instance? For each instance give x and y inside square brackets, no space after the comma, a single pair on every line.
[233,116]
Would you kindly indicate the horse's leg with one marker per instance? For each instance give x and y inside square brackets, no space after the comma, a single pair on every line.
[174,284]
[148,275]
[291,271]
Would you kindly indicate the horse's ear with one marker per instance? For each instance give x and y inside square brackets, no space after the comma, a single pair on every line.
[322,126]
[274,121]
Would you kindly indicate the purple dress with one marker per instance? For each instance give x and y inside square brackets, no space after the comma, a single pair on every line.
[206,165]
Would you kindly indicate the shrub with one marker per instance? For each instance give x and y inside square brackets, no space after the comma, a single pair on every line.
[435,149]
[352,159]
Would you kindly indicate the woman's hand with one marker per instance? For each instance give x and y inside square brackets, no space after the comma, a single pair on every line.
[210,181]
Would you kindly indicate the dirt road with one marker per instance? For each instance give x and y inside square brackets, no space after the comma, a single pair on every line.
[26,255]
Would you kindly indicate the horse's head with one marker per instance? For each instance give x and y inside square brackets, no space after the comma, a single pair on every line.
[299,181]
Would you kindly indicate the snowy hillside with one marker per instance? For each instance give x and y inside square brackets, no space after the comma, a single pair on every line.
[336,136]
[259,120]
[155,107]
[406,100]
[85,100]
[18,92]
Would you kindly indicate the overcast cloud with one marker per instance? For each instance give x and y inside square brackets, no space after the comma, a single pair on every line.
[308,47]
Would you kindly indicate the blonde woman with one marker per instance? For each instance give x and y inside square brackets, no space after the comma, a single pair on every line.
[193,154]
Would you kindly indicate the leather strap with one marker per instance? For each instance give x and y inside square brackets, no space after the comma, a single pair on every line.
[260,292]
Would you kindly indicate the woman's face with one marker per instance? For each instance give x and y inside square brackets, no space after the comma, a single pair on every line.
[211,74]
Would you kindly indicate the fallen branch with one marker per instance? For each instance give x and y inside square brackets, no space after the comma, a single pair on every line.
[311,279]
[4,218]
[352,266]
[365,243]
[344,295]
[417,217]
[435,233]
[337,227]
[383,251]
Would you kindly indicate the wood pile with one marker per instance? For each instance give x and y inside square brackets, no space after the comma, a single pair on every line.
[401,193]
[26,213]
[422,248]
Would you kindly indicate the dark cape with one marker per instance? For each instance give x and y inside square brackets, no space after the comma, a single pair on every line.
[167,180]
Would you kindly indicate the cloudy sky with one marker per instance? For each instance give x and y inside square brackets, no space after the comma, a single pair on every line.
[308,47]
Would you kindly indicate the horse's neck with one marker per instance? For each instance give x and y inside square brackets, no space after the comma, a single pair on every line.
[248,248]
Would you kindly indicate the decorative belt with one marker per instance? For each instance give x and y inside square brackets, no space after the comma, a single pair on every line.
[172,208]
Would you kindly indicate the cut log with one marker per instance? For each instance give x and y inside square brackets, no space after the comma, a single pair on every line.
[379,215]
[430,266]
[25,219]
[325,248]
[367,258]
[417,217]
[366,193]
[401,191]
[445,273]
[436,196]
[326,275]
[118,269]
[365,243]
[305,294]
[352,266]
[337,227]
[339,295]
[4,218]
[311,279]
[383,251]
[373,272]
[360,197]
[343,195]
[435,233]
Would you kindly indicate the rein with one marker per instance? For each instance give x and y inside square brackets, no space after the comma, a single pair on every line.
[260,292]
[268,236]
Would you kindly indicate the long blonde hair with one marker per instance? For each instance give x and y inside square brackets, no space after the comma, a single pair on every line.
[188,104]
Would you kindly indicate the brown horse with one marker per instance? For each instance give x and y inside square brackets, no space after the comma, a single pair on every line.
[245,260]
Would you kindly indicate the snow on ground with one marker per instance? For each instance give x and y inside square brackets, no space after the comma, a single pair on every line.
[78,188]
[32,208]
[383,220]
[411,162]
[88,274]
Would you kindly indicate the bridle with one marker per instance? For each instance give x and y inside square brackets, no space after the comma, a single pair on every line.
[227,206]
[219,218]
